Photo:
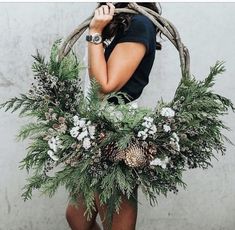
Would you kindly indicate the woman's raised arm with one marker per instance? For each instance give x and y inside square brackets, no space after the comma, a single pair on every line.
[123,60]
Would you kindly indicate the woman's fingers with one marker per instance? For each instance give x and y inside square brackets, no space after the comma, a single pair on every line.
[105,9]
[111,8]
[96,13]
[99,10]
[102,16]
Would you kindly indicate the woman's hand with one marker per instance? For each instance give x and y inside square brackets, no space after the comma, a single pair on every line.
[103,15]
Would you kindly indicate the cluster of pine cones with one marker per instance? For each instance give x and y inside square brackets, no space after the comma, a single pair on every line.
[137,154]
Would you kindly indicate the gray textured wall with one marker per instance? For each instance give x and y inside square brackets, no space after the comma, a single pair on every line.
[208,31]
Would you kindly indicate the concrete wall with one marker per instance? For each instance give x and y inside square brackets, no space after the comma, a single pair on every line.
[208,31]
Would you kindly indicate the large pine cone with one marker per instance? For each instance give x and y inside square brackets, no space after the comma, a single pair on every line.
[135,156]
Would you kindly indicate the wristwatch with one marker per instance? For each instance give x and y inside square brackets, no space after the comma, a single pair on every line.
[95,38]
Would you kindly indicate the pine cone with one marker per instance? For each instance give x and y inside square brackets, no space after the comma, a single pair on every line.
[110,151]
[135,156]
[72,160]
[120,155]
[149,149]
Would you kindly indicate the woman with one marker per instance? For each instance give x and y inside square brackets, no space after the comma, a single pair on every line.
[124,66]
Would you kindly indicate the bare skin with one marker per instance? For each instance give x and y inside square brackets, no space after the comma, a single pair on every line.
[125,220]
[123,61]
[112,75]
[76,219]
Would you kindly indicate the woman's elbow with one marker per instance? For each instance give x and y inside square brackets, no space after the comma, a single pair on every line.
[107,89]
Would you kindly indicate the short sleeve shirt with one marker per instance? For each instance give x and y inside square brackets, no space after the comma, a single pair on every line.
[143,30]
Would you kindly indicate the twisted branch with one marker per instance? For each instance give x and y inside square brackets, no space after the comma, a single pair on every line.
[164,25]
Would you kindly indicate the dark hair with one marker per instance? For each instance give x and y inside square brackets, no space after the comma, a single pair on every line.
[121,21]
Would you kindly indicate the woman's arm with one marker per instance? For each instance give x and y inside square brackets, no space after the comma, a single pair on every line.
[122,62]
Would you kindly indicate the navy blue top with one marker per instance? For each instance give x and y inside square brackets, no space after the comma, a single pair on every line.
[141,30]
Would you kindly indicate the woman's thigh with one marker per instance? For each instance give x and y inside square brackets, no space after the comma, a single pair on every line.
[126,219]
[76,218]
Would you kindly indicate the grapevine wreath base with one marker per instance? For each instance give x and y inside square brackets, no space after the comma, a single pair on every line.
[90,145]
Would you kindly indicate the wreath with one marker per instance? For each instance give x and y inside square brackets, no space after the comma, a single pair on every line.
[88,144]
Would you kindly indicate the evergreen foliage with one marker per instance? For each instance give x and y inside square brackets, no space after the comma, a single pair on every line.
[73,132]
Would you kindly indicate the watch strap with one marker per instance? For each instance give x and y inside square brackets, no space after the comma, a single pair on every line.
[90,37]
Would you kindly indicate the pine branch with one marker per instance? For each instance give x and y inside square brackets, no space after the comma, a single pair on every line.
[16,103]
[124,179]
[93,93]
[39,65]
[114,204]
[34,182]
[37,154]
[218,68]
[62,177]
[39,58]
[31,129]
[89,198]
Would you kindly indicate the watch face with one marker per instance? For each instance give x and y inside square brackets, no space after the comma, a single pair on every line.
[97,39]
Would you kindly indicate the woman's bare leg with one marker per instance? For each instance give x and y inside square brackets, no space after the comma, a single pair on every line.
[126,219]
[77,220]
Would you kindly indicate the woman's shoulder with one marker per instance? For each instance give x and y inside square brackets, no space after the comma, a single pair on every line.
[142,19]
[140,22]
